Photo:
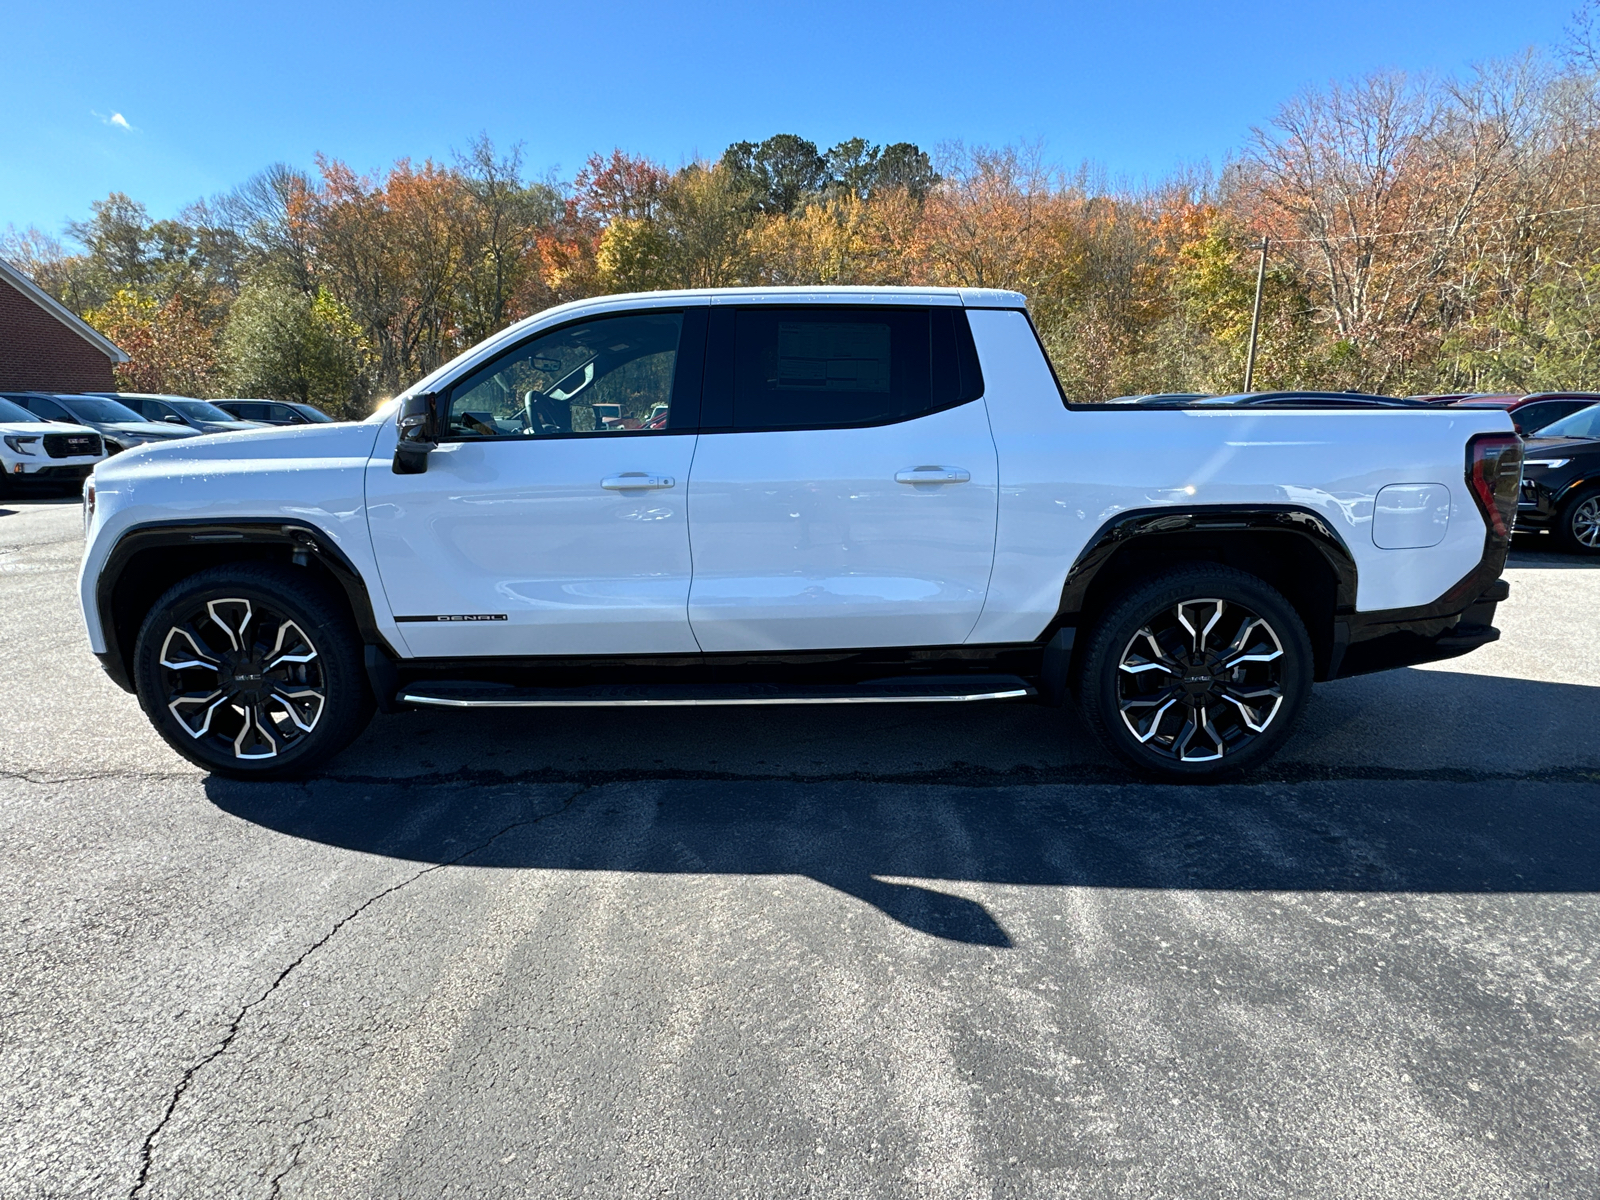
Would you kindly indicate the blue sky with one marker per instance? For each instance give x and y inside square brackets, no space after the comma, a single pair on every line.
[172,101]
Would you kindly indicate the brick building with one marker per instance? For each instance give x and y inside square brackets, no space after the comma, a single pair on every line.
[45,347]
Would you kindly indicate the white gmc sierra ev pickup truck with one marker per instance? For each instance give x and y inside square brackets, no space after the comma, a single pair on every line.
[792,496]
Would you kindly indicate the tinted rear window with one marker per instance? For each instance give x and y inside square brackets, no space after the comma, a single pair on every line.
[835,366]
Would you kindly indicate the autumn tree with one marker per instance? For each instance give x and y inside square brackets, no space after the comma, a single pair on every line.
[170,349]
[282,344]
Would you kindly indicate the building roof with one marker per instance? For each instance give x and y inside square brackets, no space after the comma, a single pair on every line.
[61,312]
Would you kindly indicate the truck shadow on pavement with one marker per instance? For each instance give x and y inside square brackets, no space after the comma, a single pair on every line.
[896,844]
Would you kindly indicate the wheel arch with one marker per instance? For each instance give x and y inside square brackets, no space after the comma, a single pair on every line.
[148,559]
[1293,549]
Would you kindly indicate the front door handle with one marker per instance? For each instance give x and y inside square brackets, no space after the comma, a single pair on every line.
[631,481]
[933,475]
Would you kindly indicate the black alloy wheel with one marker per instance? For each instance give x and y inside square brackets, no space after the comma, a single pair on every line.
[1201,672]
[252,671]
[1579,530]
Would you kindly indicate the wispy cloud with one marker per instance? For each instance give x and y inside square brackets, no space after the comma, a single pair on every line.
[116,118]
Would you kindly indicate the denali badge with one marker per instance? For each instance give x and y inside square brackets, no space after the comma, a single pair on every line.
[459,617]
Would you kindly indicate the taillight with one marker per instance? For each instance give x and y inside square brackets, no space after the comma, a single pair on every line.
[1494,472]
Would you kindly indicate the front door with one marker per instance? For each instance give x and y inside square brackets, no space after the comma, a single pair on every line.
[851,501]
[551,519]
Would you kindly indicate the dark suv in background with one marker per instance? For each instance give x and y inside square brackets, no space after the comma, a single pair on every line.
[1561,481]
[275,412]
[199,415]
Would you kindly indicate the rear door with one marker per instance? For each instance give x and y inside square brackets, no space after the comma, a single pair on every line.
[844,489]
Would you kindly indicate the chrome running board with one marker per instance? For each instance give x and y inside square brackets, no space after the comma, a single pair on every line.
[942,690]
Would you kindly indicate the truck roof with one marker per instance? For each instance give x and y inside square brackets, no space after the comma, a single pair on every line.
[596,305]
[854,293]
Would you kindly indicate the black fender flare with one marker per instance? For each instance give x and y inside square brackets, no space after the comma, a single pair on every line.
[1155,523]
[296,538]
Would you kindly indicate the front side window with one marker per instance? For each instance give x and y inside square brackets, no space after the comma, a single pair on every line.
[200,410]
[605,376]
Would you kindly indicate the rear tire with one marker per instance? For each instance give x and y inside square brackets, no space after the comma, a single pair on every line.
[1198,673]
[1579,527]
[252,671]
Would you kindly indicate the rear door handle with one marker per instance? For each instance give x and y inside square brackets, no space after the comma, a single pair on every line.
[933,475]
[630,481]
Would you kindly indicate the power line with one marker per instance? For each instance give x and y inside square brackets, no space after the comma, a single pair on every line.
[1351,237]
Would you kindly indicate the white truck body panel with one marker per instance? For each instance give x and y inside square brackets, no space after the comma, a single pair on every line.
[800,539]
[311,474]
[804,540]
[1064,474]
[524,531]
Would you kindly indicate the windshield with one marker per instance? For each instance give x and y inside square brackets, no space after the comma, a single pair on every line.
[199,410]
[1584,423]
[92,408]
[15,414]
[312,414]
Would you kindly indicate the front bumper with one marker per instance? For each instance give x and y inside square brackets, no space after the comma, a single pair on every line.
[50,470]
[1539,500]
[1536,506]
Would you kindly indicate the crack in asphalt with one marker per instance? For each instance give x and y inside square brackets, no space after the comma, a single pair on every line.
[95,776]
[147,1151]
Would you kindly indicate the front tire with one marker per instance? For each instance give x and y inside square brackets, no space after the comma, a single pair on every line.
[252,671]
[1579,530]
[1199,673]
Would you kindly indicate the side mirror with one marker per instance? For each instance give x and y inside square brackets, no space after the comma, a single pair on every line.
[171,420]
[419,434]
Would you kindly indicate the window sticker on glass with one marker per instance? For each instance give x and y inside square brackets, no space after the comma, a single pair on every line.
[835,356]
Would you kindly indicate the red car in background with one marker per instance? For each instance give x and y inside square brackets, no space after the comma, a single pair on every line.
[1529,413]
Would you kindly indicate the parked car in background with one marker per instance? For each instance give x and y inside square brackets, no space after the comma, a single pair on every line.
[275,412]
[1561,481]
[119,426]
[1529,413]
[33,450]
[199,415]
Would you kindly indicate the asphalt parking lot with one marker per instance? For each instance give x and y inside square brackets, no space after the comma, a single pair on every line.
[921,951]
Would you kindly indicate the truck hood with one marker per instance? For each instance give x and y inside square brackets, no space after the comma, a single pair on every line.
[265,448]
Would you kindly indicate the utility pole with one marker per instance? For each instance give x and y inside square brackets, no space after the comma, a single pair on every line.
[1255,319]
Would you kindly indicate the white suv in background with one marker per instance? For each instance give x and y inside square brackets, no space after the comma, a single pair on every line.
[33,450]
